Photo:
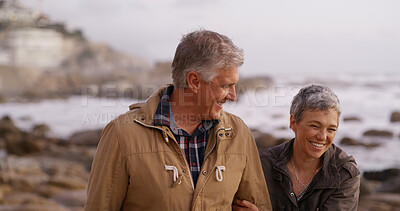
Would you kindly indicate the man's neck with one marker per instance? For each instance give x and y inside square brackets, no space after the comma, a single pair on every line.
[184,110]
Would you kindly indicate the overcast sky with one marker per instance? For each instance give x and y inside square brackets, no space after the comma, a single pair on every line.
[276,35]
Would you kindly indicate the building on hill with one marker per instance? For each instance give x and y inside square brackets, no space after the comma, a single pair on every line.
[29,39]
[12,12]
[36,47]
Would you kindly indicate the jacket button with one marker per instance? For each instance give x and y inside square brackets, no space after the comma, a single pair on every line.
[184,170]
[292,194]
[204,172]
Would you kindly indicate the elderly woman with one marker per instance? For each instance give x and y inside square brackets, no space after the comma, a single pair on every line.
[310,172]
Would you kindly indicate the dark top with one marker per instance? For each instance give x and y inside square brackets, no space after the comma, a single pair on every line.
[334,187]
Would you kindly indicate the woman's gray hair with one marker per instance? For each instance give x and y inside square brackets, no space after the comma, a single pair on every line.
[205,52]
[313,98]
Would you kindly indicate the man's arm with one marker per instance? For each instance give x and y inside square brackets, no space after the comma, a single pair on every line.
[108,179]
[253,187]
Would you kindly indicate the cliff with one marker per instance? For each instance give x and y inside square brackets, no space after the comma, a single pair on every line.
[43,59]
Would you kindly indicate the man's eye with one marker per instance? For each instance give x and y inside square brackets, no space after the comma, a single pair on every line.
[332,129]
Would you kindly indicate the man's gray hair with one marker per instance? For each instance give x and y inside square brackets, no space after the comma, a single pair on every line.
[205,52]
[314,98]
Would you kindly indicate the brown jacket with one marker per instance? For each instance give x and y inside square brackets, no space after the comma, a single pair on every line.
[139,166]
[335,187]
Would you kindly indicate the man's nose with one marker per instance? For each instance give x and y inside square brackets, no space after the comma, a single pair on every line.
[231,93]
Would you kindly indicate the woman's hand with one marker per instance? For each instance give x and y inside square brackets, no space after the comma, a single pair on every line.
[244,206]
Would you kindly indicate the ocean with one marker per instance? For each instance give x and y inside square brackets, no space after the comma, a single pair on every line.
[371,98]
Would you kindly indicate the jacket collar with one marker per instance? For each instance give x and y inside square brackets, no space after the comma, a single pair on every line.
[327,177]
[149,107]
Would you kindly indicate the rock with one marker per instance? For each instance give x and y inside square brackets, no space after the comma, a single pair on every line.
[68,182]
[71,198]
[277,116]
[381,202]
[26,198]
[373,205]
[34,207]
[380,133]
[48,191]
[395,117]
[26,118]
[40,130]
[351,119]
[282,128]
[255,84]
[349,141]
[390,186]
[24,174]
[19,142]
[58,166]
[81,155]
[8,127]
[382,175]
[265,140]
[86,138]
[353,142]
[365,187]
[27,182]
[4,189]
[24,165]
[25,144]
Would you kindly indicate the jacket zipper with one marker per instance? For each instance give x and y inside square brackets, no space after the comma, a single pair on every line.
[212,149]
[180,150]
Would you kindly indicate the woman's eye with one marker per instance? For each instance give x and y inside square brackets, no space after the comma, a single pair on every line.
[332,129]
[314,126]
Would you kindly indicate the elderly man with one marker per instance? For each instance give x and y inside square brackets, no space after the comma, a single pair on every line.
[179,150]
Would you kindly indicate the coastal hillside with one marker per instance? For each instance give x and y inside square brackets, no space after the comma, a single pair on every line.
[40,58]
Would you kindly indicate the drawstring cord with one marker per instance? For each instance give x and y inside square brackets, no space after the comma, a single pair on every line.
[173,168]
[218,173]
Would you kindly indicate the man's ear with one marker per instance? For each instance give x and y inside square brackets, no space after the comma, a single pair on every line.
[292,123]
[193,81]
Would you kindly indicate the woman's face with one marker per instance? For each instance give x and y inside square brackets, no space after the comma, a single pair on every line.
[315,132]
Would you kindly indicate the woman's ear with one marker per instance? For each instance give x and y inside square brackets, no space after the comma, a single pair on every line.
[292,123]
[193,81]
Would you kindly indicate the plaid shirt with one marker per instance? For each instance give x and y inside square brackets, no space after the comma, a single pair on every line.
[193,146]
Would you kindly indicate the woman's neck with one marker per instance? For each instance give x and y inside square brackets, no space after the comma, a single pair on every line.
[303,162]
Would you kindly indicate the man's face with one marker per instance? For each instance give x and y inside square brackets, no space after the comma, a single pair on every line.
[315,132]
[214,94]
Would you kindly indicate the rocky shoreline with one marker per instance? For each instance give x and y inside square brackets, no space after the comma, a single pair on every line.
[38,172]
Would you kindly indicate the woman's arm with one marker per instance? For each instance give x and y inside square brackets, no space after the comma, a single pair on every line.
[347,196]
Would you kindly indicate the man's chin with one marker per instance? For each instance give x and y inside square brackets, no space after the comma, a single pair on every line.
[216,116]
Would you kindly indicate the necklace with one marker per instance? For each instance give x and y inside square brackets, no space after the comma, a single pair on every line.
[297,177]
